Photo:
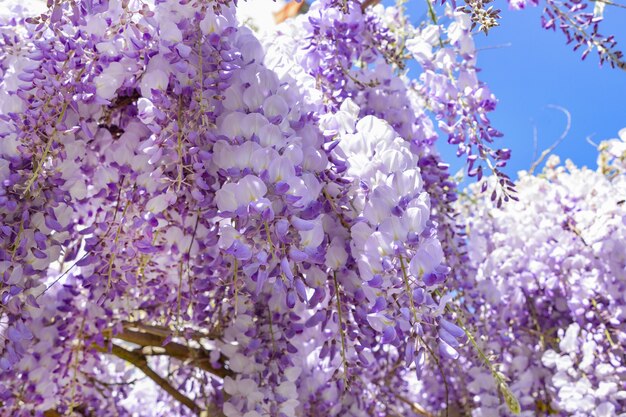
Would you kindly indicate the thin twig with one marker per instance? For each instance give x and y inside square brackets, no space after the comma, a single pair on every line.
[535,142]
[591,142]
[341,332]
[416,408]
[561,138]
[501,46]
[610,3]
[102,238]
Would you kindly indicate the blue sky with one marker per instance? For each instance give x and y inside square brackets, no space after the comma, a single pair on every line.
[532,68]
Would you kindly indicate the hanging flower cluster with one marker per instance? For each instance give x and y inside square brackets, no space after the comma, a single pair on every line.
[450,88]
[199,220]
[580,24]
[545,295]
[260,227]
[612,155]
[579,21]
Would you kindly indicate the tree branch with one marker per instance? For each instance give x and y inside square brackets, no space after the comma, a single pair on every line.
[368,3]
[80,409]
[165,331]
[416,408]
[557,142]
[198,357]
[139,361]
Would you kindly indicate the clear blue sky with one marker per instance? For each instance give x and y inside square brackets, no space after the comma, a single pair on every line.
[533,68]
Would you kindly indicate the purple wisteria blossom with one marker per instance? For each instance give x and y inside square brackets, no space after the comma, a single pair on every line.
[245,221]
[197,219]
[544,295]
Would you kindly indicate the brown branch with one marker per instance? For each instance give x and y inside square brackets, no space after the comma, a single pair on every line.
[166,331]
[198,357]
[291,9]
[368,3]
[139,361]
[416,408]
[80,409]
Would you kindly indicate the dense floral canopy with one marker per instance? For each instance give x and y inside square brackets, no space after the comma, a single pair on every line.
[546,292]
[201,220]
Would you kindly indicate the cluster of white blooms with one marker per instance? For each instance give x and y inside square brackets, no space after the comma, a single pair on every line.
[612,156]
[546,294]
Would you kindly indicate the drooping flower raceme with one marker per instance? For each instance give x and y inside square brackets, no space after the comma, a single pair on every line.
[545,295]
[242,220]
[581,22]
[612,155]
